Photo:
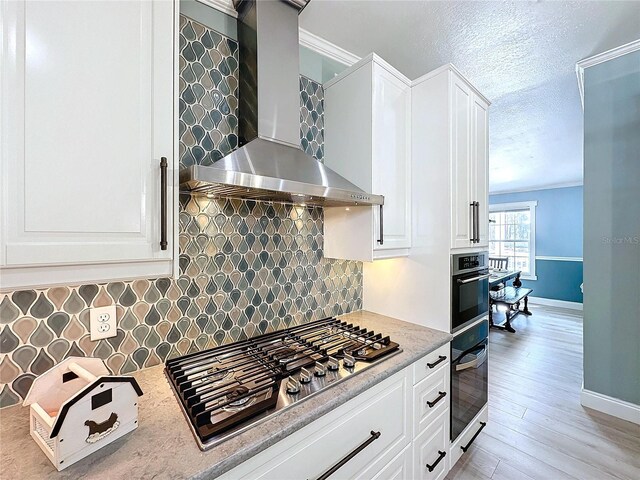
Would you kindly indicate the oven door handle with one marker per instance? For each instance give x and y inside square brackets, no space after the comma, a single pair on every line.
[475,363]
[474,279]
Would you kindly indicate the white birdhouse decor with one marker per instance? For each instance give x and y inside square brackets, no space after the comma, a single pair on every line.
[78,407]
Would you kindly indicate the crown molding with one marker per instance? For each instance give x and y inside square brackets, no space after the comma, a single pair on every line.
[372,57]
[326,48]
[306,38]
[552,186]
[449,67]
[601,58]
[225,6]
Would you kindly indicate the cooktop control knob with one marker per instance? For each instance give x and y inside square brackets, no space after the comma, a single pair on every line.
[349,361]
[293,385]
[305,375]
[333,364]
[321,370]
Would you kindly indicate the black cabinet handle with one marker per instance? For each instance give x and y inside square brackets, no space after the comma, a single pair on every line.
[332,470]
[477,222]
[473,222]
[381,239]
[440,396]
[441,359]
[441,455]
[163,203]
[466,447]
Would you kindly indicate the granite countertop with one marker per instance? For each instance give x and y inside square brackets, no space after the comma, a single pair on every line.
[163,445]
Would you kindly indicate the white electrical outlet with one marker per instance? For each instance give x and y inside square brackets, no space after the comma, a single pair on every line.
[102,321]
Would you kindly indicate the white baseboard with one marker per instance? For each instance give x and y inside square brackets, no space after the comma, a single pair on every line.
[550,302]
[611,406]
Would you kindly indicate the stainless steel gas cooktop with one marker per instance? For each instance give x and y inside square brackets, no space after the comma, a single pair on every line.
[224,390]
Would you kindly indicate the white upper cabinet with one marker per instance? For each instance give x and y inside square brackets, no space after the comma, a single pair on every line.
[480,162]
[368,141]
[451,134]
[461,167]
[88,112]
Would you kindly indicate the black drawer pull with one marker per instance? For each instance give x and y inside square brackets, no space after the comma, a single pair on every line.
[163,203]
[441,359]
[441,455]
[466,447]
[357,450]
[440,396]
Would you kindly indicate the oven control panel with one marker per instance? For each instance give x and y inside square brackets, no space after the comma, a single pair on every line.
[469,261]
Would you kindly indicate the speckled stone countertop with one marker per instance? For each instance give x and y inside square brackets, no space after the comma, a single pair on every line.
[163,446]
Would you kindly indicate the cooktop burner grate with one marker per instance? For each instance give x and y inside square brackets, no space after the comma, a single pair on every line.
[225,388]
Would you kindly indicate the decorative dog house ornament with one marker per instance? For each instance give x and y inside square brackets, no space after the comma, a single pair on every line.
[78,407]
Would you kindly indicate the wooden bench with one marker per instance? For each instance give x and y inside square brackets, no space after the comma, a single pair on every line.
[511,297]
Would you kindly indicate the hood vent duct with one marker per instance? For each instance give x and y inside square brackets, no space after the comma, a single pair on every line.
[269,164]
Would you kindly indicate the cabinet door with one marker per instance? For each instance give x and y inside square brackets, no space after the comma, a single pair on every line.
[397,469]
[430,449]
[480,162]
[89,109]
[461,171]
[391,158]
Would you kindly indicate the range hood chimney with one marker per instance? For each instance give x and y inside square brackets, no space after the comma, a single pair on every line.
[269,164]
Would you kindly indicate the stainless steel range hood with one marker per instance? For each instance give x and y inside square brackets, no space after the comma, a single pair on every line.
[269,165]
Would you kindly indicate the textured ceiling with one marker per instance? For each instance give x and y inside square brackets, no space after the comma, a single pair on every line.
[521,55]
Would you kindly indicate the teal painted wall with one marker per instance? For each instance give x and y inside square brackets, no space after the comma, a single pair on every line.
[612,228]
[559,218]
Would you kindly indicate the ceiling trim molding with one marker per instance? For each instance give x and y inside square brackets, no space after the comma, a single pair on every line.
[601,58]
[326,48]
[449,67]
[225,6]
[306,38]
[535,189]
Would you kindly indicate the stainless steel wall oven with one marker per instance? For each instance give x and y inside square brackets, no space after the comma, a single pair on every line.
[469,376]
[469,288]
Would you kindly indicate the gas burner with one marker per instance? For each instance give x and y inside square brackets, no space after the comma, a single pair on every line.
[330,335]
[285,355]
[217,375]
[225,389]
[240,403]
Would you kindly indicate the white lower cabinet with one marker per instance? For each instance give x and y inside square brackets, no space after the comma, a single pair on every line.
[460,445]
[430,399]
[397,469]
[430,450]
[410,412]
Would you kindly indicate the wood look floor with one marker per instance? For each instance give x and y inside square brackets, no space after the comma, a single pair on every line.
[537,428]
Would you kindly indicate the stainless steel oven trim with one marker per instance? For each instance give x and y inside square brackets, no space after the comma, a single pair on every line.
[474,279]
[455,271]
[474,321]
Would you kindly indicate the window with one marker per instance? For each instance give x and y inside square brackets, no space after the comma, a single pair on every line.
[101,399]
[512,234]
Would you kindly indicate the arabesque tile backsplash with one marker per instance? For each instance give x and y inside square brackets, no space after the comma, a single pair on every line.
[245,267]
